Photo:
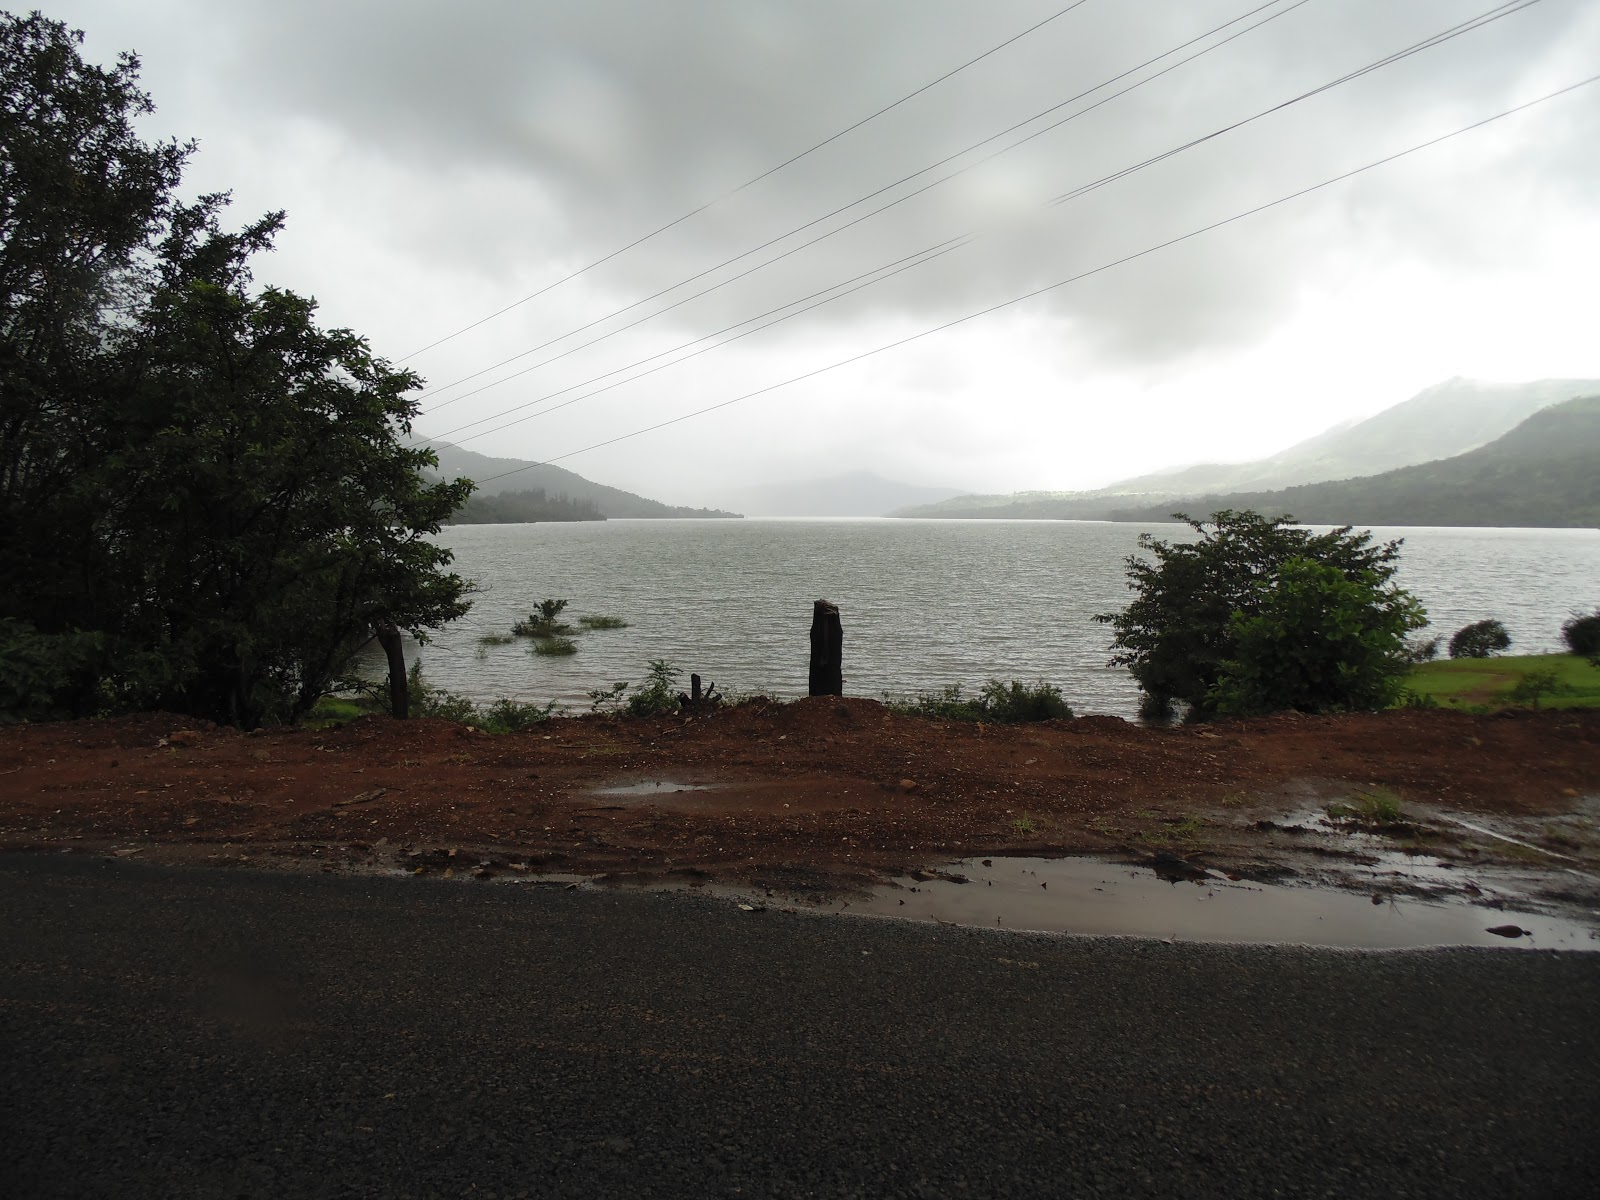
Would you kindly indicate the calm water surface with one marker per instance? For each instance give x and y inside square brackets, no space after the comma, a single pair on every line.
[924,603]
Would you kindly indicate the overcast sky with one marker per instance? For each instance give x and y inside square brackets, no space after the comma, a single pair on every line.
[440,162]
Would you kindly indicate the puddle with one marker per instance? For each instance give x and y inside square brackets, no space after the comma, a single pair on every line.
[653,787]
[1089,896]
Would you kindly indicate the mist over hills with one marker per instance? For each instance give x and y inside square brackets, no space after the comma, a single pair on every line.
[556,483]
[1545,473]
[852,494]
[1440,422]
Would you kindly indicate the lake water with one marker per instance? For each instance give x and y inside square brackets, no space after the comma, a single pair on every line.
[923,603]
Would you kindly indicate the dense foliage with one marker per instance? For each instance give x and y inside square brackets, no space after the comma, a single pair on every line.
[999,703]
[510,508]
[1582,634]
[1256,616]
[1479,640]
[205,502]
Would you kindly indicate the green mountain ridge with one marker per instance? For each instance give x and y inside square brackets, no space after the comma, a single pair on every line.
[1545,473]
[560,490]
[1440,422]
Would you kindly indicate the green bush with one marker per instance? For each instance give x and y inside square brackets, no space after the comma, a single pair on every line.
[659,695]
[602,622]
[47,676]
[1419,651]
[1535,685]
[544,623]
[509,716]
[996,702]
[553,646]
[1224,621]
[503,716]
[1015,703]
[1317,643]
[608,700]
[1582,634]
[1479,640]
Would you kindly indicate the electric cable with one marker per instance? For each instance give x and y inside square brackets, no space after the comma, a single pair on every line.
[750,182]
[433,392]
[919,258]
[1194,233]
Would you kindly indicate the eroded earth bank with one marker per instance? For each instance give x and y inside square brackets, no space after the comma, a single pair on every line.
[812,800]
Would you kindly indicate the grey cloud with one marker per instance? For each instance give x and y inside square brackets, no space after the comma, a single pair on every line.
[621,115]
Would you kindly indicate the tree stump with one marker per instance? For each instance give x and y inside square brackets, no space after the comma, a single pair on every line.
[827,650]
[394,651]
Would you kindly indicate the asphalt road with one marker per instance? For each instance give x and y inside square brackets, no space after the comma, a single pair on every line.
[180,1033]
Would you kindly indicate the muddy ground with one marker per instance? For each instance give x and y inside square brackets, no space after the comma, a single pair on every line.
[825,795]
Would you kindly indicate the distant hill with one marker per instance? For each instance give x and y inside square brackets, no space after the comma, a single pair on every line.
[513,508]
[1545,472]
[1442,421]
[1439,422]
[522,476]
[1034,506]
[854,494]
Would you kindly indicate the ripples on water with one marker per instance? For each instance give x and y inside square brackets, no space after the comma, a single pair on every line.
[924,603]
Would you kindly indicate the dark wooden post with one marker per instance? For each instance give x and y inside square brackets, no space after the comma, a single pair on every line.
[827,650]
[394,651]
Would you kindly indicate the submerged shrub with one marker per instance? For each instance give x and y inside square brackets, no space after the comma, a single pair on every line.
[543,624]
[554,646]
[602,622]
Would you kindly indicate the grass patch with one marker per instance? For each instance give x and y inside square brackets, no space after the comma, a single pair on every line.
[1378,806]
[555,646]
[602,622]
[1489,684]
[332,710]
[496,639]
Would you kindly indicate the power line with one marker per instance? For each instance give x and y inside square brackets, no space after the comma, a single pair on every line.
[919,258]
[751,182]
[873,195]
[1194,233]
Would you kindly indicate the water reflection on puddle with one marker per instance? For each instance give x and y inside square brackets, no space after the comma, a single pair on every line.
[1088,896]
[651,787]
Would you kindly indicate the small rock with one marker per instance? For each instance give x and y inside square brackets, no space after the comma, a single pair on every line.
[908,785]
[182,737]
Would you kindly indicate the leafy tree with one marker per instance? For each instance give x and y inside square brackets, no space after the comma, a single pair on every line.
[205,494]
[1228,621]
[1479,640]
[1319,642]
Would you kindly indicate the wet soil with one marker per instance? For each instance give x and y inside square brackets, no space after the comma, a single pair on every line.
[825,796]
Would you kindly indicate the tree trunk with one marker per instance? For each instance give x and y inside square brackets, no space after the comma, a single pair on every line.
[399,691]
[827,650]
